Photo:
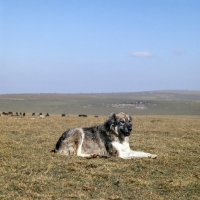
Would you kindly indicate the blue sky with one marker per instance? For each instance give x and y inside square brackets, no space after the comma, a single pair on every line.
[73,46]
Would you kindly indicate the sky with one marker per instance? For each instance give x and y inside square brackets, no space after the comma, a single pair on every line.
[87,46]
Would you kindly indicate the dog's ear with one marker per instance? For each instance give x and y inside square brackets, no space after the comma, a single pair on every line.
[110,122]
[113,116]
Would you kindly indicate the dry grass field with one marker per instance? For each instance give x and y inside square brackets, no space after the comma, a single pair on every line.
[29,170]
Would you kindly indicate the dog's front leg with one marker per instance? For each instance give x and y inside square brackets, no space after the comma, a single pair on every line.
[140,154]
[136,154]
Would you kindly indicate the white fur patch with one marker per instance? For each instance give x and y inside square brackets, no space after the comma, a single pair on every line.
[80,145]
[116,130]
[122,148]
[126,153]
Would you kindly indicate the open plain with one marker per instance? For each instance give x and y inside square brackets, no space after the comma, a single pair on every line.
[29,170]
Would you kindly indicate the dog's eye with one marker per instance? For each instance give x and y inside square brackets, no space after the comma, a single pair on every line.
[122,122]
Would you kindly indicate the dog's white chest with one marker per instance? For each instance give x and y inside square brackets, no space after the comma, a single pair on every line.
[121,147]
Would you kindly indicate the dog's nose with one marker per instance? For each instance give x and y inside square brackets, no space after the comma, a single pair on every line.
[130,129]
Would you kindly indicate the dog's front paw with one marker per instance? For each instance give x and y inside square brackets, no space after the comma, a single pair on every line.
[94,155]
[153,156]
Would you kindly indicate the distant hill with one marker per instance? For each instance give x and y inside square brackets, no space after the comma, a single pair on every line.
[170,102]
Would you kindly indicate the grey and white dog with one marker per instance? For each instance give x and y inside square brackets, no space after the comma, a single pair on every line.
[108,140]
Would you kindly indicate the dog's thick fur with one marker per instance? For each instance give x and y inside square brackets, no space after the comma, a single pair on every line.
[108,140]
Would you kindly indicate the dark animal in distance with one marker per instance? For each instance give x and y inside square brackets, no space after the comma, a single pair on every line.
[7,113]
[108,140]
[82,115]
[4,113]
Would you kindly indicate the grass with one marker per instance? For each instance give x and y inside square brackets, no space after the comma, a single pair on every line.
[29,170]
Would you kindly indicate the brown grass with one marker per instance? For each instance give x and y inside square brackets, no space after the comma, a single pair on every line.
[29,170]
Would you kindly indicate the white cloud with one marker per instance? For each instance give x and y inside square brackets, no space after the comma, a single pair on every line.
[141,54]
[179,52]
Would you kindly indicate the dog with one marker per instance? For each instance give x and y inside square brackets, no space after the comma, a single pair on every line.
[108,140]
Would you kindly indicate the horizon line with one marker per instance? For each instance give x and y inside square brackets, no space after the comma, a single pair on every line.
[78,93]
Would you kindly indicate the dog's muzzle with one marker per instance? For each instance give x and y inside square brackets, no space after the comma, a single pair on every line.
[126,131]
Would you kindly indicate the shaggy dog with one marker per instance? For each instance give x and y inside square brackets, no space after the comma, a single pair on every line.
[108,140]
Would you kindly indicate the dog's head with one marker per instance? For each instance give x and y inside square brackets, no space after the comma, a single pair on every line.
[120,124]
